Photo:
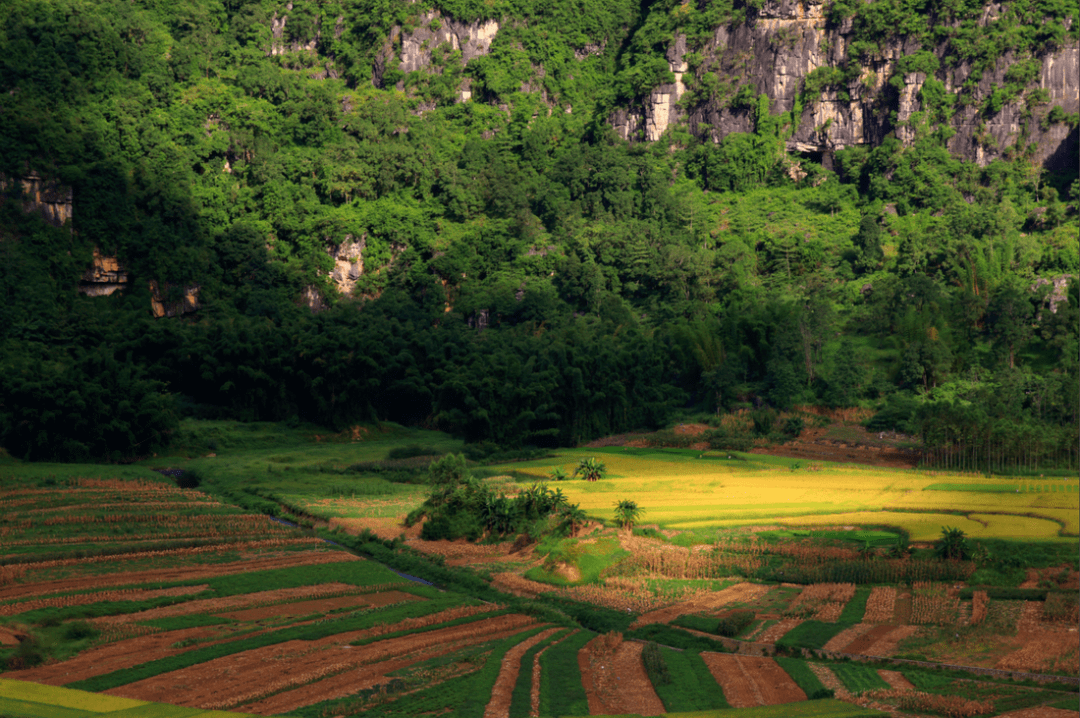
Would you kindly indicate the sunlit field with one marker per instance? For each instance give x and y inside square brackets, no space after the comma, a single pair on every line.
[683,489]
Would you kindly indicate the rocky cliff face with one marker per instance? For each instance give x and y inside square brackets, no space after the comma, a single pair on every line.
[775,51]
[105,276]
[50,199]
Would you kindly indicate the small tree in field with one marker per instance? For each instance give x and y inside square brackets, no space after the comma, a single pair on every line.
[557,474]
[590,469]
[953,544]
[627,513]
[573,517]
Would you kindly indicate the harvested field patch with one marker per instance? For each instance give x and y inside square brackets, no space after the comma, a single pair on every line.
[256,674]
[1051,649]
[886,645]
[502,691]
[830,681]
[517,585]
[861,644]
[775,632]
[881,605]
[896,680]
[187,573]
[822,601]
[321,605]
[711,601]
[752,681]
[83,599]
[845,638]
[614,678]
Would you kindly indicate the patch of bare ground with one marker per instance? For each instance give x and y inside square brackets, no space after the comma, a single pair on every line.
[752,680]
[519,585]
[1043,647]
[830,681]
[847,636]
[1040,712]
[614,678]
[503,690]
[862,643]
[706,601]
[886,645]
[896,680]
[83,599]
[186,573]
[775,632]
[294,673]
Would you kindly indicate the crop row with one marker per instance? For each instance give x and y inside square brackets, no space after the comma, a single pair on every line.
[214,547]
[163,519]
[917,701]
[932,604]
[215,532]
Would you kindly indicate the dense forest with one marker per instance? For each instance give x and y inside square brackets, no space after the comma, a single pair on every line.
[326,211]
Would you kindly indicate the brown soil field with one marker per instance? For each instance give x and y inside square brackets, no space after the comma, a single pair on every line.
[321,605]
[863,448]
[1043,647]
[502,691]
[517,585]
[861,644]
[614,678]
[739,593]
[252,675]
[896,680]
[886,645]
[1040,712]
[84,599]
[189,573]
[112,657]
[845,638]
[830,681]
[243,601]
[752,681]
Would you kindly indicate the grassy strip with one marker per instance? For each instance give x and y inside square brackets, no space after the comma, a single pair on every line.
[828,708]
[521,699]
[705,624]
[694,689]
[856,608]
[804,678]
[29,709]
[311,632]
[858,678]
[434,627]
[561,692]
[668,636]
[1067,704]
[811,634]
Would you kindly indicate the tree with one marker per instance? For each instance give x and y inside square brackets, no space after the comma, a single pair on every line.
[627,513]
[591,469]
[573,516]
[558,474]
[952,545]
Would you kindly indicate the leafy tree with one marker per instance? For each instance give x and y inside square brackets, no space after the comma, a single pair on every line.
[953,544]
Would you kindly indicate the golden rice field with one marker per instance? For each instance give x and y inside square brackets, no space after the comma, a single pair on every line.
[684,490]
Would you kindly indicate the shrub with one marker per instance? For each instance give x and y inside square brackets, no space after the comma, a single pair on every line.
[655,666]
[734,623]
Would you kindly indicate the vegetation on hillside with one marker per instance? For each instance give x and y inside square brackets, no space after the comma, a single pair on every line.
[528,278]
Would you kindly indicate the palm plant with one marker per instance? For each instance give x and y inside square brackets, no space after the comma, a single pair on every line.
[558,474]
[573,516]
[627,513]
[590,469]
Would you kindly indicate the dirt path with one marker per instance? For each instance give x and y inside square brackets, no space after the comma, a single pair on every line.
[252,675]
[165,575]
[615,680]
[752,681]
[503,690]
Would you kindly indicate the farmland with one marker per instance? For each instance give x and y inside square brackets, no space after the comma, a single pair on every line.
[227,595]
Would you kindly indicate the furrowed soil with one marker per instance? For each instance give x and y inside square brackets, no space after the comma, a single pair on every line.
[615,680]
[168,575]
[848,636]
[88,598]
[252,675]
[323,605]
[711,601]
[752,681]
[502,692]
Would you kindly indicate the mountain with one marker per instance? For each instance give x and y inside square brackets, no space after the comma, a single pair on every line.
[534,222]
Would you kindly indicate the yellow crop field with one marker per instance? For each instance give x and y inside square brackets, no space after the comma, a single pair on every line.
[65,697]
[687,489]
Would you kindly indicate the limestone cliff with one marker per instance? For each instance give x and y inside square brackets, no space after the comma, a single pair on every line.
[105,276]
[50,199]
[777,49]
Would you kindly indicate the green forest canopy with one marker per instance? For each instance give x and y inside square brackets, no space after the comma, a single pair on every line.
[528,277]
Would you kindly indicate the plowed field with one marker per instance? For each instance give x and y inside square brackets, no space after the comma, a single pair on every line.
[616,682]
[752,681]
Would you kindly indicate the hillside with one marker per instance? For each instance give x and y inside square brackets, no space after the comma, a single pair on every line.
[534,223]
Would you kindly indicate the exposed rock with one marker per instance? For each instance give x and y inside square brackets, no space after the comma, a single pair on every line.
[1059,289]
[434,30]
[312,298]
[104,277]
[348,263]
[50,199]
[163,303]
